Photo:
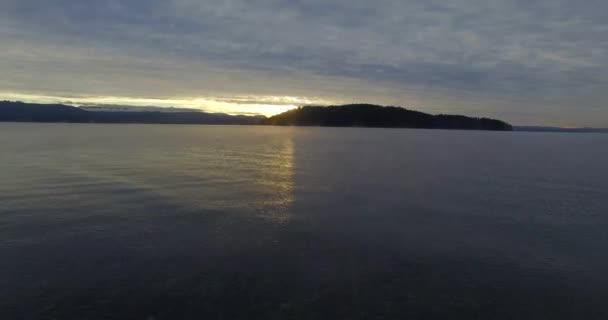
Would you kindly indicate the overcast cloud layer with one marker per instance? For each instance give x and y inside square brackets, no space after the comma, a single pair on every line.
[527,62]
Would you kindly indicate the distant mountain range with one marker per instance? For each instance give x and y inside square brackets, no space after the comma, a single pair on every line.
[557,129]
[124,108]
[368,115]
[30,112]
[352,115]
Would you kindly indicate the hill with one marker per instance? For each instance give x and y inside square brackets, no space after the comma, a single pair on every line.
[31,112]
[367,115]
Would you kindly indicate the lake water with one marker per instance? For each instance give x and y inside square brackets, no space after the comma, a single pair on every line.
[228,222]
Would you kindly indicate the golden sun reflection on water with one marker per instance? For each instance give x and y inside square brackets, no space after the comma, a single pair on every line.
[279,181]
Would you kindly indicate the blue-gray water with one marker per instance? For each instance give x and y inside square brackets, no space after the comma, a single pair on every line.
[225,222]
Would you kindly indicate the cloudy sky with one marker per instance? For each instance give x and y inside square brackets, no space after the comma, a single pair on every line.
[528,62]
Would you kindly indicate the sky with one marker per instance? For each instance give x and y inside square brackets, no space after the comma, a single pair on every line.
[540,62]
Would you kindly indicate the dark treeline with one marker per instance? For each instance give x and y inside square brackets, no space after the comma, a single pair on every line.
[29,112]
[354,115]
[367,115]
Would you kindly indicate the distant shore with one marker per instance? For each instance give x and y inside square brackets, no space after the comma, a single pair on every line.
[353,115]
[558,129]
[48,113]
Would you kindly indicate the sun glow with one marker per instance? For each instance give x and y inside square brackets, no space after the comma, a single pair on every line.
[245,105]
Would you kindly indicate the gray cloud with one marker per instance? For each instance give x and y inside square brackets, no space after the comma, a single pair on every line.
[526,62]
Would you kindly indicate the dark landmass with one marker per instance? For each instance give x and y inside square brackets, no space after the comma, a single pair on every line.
[367,115]
[557,129]
[127,108]
[30,112]
[354,115]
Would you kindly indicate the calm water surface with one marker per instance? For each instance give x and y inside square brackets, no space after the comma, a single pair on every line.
[222,222]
